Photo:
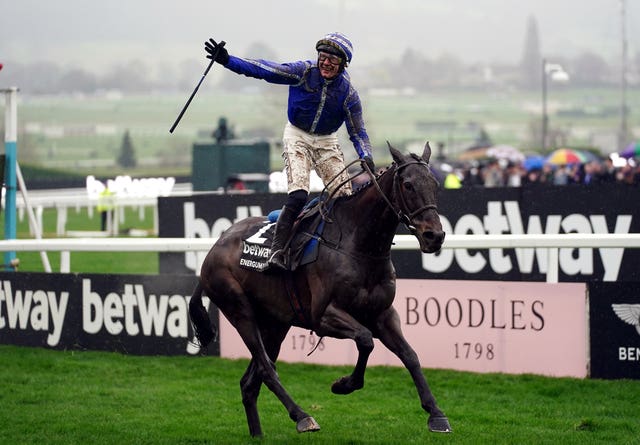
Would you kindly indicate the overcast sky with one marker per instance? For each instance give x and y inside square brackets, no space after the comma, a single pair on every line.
[97,34]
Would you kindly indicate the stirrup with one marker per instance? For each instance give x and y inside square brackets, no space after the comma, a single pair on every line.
[278,260]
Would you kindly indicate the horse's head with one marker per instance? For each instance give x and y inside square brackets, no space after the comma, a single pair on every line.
[415,198]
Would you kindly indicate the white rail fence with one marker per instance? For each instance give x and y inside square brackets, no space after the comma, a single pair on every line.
[553,243]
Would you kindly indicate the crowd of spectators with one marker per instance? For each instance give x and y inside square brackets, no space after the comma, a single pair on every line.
[503,173]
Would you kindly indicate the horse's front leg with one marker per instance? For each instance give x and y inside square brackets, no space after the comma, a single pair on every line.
[339,324]
[390,333]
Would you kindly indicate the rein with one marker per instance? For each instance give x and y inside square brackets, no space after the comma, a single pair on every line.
[404,215]
[322,207]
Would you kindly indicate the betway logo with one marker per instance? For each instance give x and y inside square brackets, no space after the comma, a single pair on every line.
[505,217]
[136,313]
[37,310]
[501,217]
[198,228]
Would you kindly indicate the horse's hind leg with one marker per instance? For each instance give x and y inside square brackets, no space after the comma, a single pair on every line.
[250,387]
[251,381]
[243,319]
[390,333]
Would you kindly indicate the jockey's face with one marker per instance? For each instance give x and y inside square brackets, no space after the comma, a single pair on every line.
[329,64]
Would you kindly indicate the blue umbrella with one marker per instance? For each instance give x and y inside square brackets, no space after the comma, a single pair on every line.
[533,162]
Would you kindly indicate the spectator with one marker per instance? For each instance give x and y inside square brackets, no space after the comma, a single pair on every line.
[514,175]
[561,175]
[533,176]
[608,172]
[547,174]
[627,175]
[452,181]
[576,173]
[472,177]
[493,175]
[592,172]
[106,206]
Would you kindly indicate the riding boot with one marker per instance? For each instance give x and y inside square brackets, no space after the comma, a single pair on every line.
[285,222]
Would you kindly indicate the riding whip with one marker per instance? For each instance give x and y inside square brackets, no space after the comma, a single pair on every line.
[213,59]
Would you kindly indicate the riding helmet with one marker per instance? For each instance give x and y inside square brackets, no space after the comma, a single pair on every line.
[336,43]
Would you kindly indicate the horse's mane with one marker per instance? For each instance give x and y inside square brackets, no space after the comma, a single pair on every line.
[365,185]
[377,175]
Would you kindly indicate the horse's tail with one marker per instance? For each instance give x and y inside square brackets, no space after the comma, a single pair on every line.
[200,318]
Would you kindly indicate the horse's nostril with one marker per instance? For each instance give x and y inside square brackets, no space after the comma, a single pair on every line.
[437,237]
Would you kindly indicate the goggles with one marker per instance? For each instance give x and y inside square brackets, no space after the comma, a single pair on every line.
[333,59]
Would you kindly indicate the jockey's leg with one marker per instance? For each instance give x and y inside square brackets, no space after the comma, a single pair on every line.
[328,161]
[295,202]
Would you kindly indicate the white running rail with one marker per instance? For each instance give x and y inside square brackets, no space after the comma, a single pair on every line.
[402,242]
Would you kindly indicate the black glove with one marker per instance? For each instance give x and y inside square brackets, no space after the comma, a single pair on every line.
[211,47]
[369,161]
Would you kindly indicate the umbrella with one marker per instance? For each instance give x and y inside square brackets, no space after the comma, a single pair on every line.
[533,162]
[505,152]
[473,154]
[563,156]
[631,151]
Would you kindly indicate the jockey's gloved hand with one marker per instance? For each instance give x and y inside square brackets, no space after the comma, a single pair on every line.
[369,161]
[211,47]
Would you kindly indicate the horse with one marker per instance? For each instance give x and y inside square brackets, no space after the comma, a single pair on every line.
[347,293]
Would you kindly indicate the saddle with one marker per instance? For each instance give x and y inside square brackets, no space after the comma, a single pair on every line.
[302,247]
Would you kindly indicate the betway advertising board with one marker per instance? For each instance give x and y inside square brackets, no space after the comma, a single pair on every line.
[525,210]
[478,326]
[136,314]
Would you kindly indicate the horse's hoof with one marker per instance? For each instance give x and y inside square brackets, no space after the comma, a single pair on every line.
[344,385]
[439,424]
[307,424]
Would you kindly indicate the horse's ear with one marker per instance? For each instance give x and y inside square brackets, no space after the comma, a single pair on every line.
[426,154]
[397,156]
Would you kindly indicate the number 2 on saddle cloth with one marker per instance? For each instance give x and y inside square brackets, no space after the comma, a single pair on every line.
[303,247]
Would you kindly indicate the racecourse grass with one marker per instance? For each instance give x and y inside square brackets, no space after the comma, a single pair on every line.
[82,397]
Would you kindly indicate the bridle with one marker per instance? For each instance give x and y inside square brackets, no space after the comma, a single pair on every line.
[402,212]
[405,215]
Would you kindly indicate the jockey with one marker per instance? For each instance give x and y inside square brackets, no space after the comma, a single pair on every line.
[321,99]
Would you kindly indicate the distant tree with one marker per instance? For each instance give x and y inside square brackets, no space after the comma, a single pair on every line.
[132,76]
[590,69]
[450,71]
[189,72]
[127,156]
[77,80]
[232,82]
[531,62]
[40,77]
[416,71]
[411,62]
[483,139]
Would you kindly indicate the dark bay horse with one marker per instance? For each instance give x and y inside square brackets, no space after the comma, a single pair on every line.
[347,293]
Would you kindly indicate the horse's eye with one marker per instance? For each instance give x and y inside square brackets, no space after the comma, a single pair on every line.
[407,186]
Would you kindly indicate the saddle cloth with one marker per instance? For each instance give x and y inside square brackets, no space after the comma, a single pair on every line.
[306,232]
